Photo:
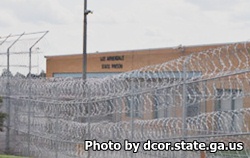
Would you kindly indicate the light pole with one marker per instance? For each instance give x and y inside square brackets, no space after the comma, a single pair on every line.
[84,57]
[84,60]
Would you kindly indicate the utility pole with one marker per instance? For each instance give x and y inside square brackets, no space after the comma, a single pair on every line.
[84,57]
[84,63]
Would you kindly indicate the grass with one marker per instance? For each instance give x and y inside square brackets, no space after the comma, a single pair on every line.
[232,154]
[9,156]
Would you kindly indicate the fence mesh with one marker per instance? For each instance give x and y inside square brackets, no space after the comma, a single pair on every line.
[201,97]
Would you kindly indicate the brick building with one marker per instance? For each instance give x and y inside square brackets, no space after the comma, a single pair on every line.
[108,63]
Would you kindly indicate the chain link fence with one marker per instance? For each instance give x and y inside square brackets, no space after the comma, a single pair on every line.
[201,97]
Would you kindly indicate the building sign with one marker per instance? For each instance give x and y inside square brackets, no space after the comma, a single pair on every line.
[112,58]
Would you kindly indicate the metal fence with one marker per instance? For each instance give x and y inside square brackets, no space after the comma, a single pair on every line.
[202,97]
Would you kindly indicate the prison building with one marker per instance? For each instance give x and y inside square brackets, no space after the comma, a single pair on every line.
[102,64]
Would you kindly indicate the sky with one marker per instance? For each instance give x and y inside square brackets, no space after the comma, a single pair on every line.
[127,24]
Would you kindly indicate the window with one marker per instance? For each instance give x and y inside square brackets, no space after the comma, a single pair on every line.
[134,102]
[162,100]
[227,119]
[193,100]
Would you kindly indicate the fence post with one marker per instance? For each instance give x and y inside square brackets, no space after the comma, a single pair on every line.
[8,106]
[29,101]
[56,129]
[57,124]
[88,119]
[131,102]
[7,145]
[184,103]
[5,102]
[30,93]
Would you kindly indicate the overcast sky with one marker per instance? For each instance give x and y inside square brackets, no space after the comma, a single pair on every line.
[127,24]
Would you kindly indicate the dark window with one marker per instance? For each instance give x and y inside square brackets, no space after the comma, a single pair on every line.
[227,118]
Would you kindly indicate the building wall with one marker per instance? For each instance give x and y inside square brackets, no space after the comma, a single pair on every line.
[122,61]
[118,61]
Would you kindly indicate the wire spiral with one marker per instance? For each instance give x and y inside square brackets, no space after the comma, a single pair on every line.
[51,116]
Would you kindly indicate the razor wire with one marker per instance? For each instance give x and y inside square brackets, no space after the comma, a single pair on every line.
[218,63]
[49,116]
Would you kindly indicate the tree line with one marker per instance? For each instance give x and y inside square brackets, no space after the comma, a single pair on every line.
[20,75]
